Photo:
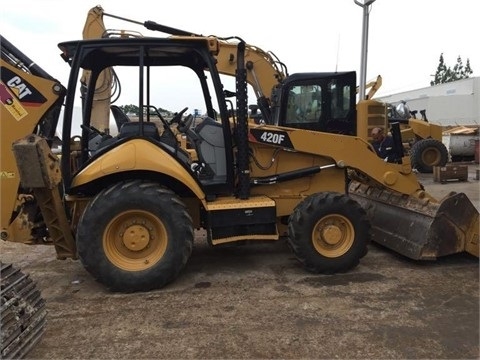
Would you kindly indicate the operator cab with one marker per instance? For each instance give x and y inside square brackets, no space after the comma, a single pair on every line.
[148,59]
[323,102]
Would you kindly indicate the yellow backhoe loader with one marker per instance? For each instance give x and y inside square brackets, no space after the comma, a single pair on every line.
[128,205]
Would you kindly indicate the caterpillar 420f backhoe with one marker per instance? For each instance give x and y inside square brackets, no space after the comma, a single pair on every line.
[128,204]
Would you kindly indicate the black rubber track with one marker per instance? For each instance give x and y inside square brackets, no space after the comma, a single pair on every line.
[23,313]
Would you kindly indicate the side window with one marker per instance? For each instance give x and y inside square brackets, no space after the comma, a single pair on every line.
[304,104]
[340,104]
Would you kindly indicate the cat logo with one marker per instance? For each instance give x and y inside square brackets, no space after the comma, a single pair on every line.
[19,87]
[22,90]
[7,174]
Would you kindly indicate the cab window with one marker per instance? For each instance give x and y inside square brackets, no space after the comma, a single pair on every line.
[340,99]
[304,104]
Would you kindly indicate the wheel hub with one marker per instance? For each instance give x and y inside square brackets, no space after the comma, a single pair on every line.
[430,156]
[134,240]
[136,237]
[331,234]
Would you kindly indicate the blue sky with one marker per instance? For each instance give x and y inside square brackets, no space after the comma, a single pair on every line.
[406,37]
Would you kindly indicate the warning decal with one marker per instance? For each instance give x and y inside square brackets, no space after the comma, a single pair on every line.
[13,106]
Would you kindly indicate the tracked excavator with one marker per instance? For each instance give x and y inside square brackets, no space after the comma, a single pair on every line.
[128,205]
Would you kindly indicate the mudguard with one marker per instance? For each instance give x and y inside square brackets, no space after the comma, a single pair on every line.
[137,155]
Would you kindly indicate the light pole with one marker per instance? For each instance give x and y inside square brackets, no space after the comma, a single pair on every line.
[363,60]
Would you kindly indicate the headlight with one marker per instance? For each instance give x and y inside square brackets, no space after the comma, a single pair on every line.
[403,110]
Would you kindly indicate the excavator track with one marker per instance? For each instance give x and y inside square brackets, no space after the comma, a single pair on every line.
[23,313]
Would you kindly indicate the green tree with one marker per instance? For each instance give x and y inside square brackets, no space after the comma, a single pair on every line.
[440,73]
[132,109]
[458,70]
[445,74]
[467,71]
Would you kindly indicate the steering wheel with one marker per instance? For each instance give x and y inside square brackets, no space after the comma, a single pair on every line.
[178,116]
[184,125]
[92,130]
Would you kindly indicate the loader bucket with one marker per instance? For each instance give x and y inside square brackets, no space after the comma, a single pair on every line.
[420,229]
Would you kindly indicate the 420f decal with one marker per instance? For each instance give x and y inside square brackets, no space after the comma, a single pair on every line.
[279,138]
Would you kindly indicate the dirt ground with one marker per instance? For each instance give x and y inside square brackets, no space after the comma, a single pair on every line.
[255,301]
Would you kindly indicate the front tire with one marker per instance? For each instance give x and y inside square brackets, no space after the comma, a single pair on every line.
[135,236]
[329,233]
[427,153]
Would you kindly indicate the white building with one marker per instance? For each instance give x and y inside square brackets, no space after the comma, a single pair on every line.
[452,104]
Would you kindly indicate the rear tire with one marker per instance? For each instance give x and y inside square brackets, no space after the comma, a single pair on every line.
[329,233]
[427,153]
[135,236]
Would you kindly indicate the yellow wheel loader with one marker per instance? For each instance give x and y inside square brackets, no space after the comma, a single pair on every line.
[128,205]
[422,140]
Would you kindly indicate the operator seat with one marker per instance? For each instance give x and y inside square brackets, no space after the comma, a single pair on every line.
[135,128]
[119,116]
[209,143]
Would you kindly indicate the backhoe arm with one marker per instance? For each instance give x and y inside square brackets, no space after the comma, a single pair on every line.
[263,74]
[264,70]
[373,85]
[94,28]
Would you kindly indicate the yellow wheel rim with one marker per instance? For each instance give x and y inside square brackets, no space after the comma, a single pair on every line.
[135,240]
[333,235]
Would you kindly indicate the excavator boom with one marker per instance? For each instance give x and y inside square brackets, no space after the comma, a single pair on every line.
[264,70]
